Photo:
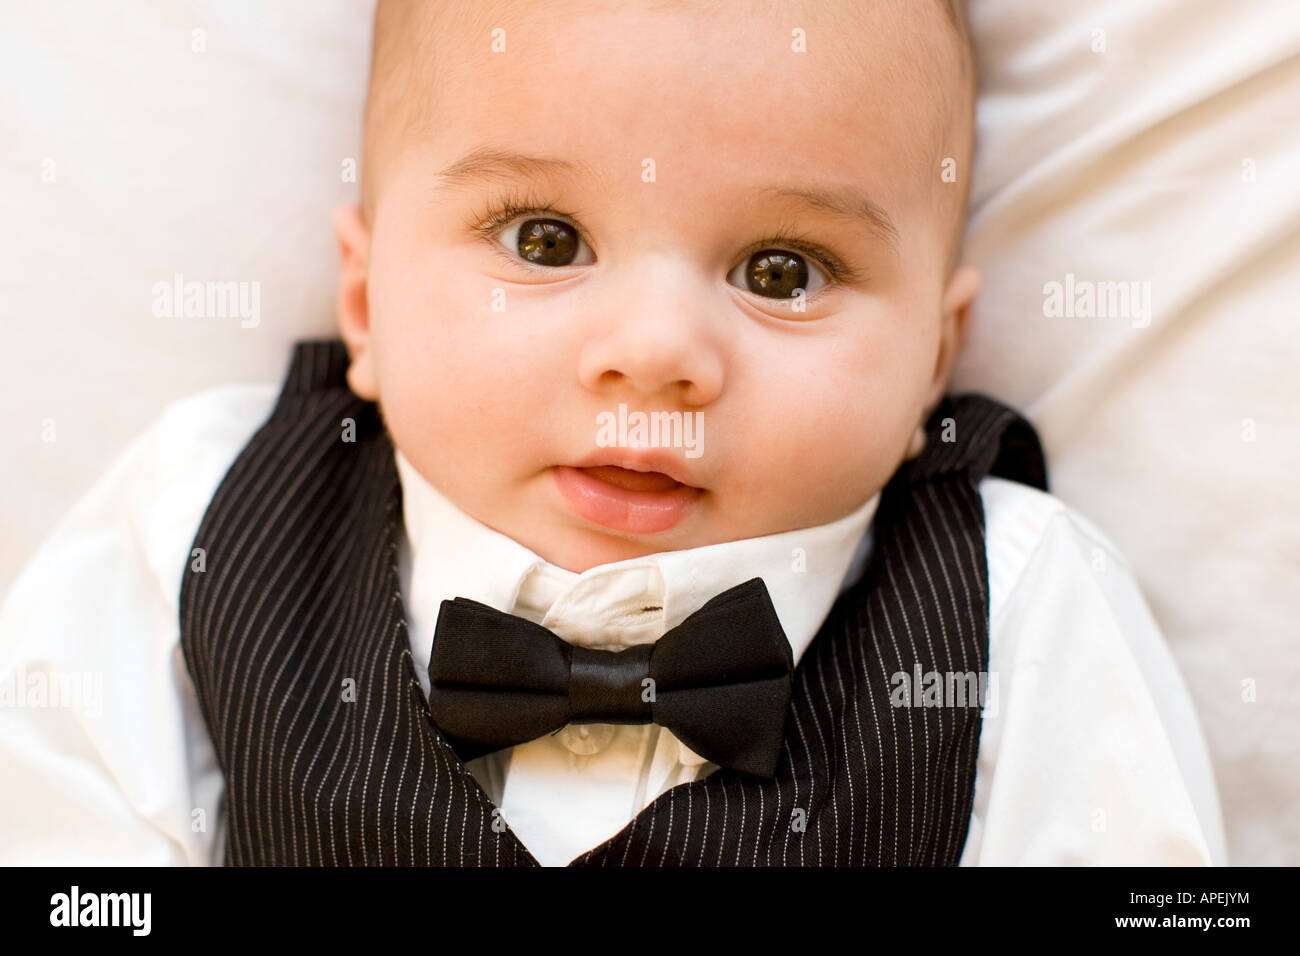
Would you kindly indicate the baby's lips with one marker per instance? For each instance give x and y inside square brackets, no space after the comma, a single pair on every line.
[639,471]
[634,480]
[592,496]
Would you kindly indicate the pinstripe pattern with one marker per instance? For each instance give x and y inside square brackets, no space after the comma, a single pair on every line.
[295,637]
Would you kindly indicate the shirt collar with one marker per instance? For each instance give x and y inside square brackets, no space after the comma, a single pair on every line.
[449,554]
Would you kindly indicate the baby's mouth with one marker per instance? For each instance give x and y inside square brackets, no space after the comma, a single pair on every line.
[624,499]
[633,480]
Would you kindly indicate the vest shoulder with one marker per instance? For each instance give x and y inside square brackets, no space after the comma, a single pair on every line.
[193,441]
[1017,518]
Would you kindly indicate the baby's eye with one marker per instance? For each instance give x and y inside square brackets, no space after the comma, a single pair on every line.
[545,242]
[776,273]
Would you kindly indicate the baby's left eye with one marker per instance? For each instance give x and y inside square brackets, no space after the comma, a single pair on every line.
[776,273]
[546,242]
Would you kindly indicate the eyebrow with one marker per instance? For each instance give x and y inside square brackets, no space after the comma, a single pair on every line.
[488,163]
[844,202]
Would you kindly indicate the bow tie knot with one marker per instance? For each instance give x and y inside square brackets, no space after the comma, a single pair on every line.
[612,687]
[720,680]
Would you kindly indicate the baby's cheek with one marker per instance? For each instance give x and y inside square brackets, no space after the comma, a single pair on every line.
[424,408]
[846,466]
[787,480]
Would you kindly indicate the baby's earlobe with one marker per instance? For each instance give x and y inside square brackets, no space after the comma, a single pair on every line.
[361,379]
[916,445]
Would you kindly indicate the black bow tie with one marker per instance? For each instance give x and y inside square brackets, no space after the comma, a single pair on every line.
[720,680]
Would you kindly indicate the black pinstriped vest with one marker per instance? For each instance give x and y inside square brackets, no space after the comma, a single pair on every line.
[300,599]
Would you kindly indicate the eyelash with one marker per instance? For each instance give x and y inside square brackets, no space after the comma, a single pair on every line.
[514,205]
[787,236]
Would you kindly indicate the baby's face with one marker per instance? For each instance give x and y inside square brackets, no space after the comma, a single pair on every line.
[615,210]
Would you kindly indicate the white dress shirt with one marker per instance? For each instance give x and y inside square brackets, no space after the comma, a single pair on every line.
[1090,751]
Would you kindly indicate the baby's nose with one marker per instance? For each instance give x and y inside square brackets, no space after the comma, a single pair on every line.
[653,358]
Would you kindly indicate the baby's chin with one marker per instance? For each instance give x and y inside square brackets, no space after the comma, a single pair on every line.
[587,551]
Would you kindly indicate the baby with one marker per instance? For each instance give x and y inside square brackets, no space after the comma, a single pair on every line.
[631,521]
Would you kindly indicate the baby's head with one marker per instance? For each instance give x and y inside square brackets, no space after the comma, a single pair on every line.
[577,206]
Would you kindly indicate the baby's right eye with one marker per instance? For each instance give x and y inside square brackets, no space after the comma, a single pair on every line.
[545,242]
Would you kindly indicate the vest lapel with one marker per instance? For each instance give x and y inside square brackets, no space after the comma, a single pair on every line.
[295,637]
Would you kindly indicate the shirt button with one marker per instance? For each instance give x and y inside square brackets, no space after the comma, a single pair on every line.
[587,739]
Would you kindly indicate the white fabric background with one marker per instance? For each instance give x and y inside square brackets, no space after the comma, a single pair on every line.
[1120,165]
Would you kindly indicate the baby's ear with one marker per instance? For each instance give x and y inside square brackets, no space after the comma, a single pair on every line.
[963,285]
[353,237]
